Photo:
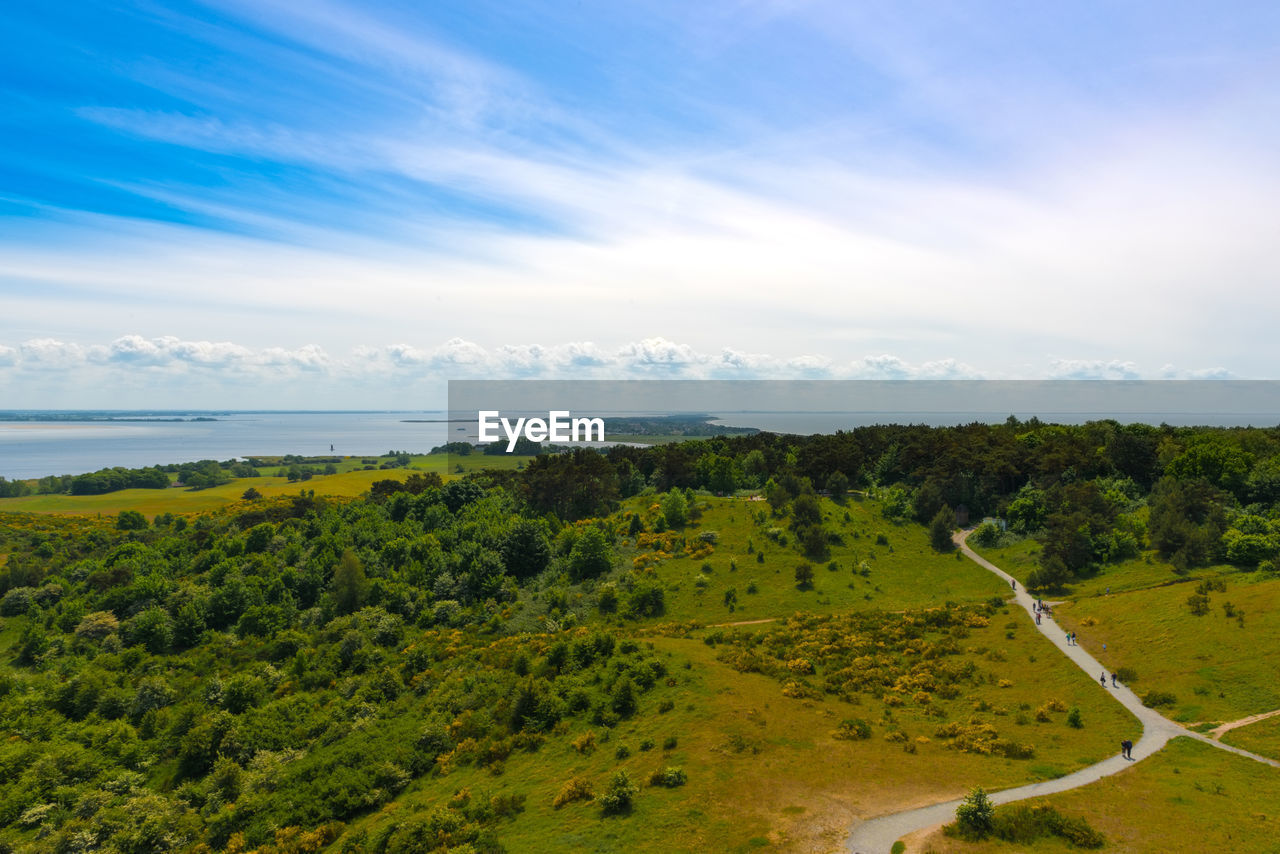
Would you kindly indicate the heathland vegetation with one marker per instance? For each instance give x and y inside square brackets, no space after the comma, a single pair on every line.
[737,643]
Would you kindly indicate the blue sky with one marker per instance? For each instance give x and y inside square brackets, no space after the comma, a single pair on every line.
[327,203]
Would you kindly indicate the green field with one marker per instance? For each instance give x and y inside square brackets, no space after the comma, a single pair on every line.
[1219,669]
[1262,738]
[860,573]
[351,480]
[1190,797]
[1021,556]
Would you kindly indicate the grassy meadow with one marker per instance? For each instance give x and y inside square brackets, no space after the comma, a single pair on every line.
[875,564]
[1219,667]
[1213,663]
[350,480]
[1262,737]
[1189,797]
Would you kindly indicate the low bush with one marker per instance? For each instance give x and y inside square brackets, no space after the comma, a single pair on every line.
[670,777]
[618,797]
[576,789]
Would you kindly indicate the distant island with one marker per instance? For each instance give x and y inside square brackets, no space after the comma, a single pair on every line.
[162,417]
[685,424]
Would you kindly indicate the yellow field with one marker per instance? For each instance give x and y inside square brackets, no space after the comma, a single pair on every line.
[347,483]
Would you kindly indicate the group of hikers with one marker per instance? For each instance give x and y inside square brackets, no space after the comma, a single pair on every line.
[1039,609]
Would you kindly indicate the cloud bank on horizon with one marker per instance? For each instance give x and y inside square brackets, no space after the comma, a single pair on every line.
[993,190]
[136,372]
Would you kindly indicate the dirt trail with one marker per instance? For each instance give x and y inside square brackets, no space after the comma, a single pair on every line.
[877,835]
[1222,729]
[743,623]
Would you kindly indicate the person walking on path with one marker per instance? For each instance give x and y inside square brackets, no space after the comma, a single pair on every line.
[1102,677]
[1126,749]
[1113,681]
[1013,584]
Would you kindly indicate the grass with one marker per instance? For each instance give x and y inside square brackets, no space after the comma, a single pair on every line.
[1218,669]
[1262,737]
[1188,797]
[351,480]
[905,573]
[1018,558]
[764,767]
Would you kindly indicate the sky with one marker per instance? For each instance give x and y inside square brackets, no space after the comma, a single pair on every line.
[251,203]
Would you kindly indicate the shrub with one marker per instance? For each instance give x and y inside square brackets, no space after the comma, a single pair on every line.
[804,575]
[670,742]
[585,743]
[1155,699]
[576,789]
[974,816]
[671,777]
[1127,675]
[97,625]
[853,728]
[1024,824]
[131,520]
[618,797]
[987,535]
[622,752]
[1073,718]
[17,601]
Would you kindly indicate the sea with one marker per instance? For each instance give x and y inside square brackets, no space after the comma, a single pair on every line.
[37,448]
[32,449]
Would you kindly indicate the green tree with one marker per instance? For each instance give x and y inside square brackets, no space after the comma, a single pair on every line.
[838,486]
[804,575]
[349,583]
[591,556]
[940,529]
[153,629]
[623,698]
[618,796]
[131,520]
[1027,511]
[805,511]
[975,815]
[675,507]
[526,551]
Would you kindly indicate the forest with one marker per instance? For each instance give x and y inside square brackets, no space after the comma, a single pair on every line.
[268,675]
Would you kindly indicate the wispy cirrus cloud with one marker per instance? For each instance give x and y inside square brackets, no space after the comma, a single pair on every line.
[785,189]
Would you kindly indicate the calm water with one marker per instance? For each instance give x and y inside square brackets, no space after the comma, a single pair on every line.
[37,448]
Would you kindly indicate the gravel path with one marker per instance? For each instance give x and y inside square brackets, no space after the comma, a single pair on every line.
[877,835]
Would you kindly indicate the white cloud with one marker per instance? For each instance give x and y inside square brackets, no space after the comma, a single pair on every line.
[133,371]
[1092,369]
[50,354]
